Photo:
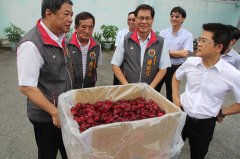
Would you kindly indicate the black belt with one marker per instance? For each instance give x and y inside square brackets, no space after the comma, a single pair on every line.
[195,120]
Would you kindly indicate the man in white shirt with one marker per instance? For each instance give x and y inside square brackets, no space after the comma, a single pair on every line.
[232,56]
[85,51]
[179,44]
[209,79]
[131,27]
[44,73]
[141,56]
[122,33]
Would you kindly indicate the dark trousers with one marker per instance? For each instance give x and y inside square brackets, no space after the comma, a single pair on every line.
[115,80]
[49,140]
[167,79]
[199,133]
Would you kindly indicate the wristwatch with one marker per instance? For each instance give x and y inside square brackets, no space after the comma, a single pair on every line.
[221,114]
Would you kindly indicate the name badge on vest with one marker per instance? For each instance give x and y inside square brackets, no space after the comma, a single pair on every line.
[149,67]
[67,56]
[92,55]
[152,54]
[90,69]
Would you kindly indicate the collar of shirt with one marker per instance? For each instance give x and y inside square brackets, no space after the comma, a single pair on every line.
[218,65]
[53,36]
[148,38]
[82,46]
[230,53]
[177,33]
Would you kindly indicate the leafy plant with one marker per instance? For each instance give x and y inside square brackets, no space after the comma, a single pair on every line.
[98,36]
[69,34]
[13,33]
[109,32]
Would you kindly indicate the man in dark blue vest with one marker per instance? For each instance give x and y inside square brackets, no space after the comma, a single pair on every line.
[44,72]
[85,51]
[142,55]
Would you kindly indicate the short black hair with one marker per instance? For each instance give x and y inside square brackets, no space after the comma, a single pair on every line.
[53,5]
[84,16]
[131,13]
[144,7]
[221,34]
[235,32]
[180,11]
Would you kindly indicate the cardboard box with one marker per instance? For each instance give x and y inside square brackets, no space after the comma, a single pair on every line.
[155,138]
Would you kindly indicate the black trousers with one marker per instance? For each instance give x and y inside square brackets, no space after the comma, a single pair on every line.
[167,79]
[49,140]
[199,133]
[115,80]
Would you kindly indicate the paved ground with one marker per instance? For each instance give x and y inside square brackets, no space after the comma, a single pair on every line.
[16,133]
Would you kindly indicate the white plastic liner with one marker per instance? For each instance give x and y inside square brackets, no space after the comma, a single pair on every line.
[153,138]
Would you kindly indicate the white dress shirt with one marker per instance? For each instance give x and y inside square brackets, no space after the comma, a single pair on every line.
[120,36]
[206,88]
[30,61]
[233,58]
[182,40]
[118,55]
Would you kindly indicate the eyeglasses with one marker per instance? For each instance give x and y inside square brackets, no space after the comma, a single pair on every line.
[204,41]
[147,19]
[133,20]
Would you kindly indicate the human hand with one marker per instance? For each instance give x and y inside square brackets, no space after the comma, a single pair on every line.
[219,119]
[55,119]
[220,116]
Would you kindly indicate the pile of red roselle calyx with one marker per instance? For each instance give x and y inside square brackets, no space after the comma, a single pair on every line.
[89,115]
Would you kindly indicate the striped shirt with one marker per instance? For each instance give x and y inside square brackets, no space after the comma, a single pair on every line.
[182,40]
[84,51]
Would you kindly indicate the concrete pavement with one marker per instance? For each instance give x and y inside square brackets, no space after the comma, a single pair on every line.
[16,132]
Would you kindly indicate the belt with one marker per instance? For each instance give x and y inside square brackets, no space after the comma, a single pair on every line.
[195,120]
[176,66]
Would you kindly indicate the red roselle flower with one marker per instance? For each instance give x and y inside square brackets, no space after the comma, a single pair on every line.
[105,112]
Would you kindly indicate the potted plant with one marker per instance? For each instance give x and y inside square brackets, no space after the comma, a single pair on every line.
[69,34]
[109,33]
[13,34]
[98,36]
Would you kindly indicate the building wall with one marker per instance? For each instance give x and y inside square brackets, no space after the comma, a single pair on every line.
[25,13]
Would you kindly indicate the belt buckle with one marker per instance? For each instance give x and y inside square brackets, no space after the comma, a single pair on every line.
[192,118]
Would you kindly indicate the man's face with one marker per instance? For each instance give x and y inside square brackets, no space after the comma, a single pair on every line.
[85,29]
[144,21]
[176,19]
[131,21]
[62,19]
[206,47]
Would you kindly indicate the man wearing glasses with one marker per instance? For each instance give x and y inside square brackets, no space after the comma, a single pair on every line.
[209,79]
[122,33]
[179,43]
[142,56]
[85,51]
